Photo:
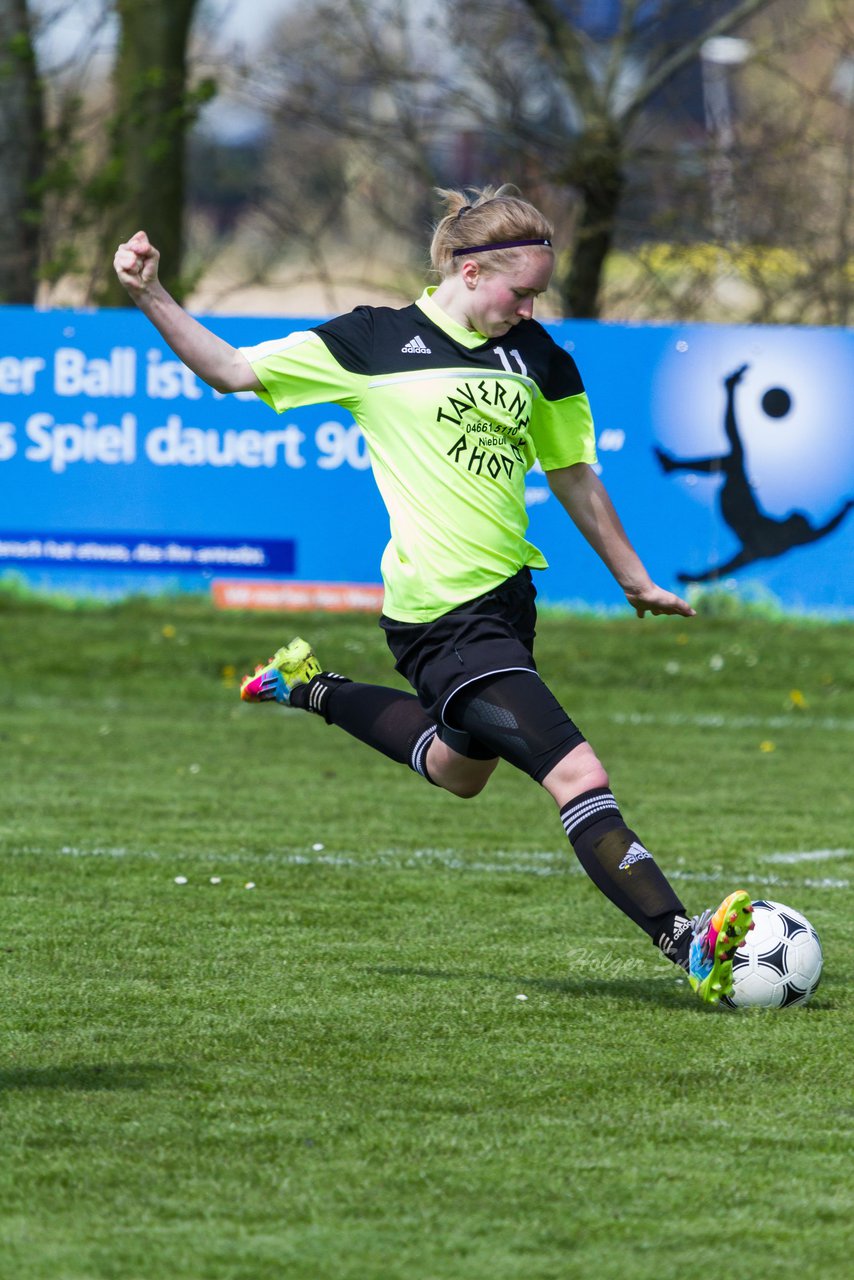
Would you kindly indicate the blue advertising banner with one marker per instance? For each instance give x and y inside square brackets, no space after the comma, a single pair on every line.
[149,552]
[728,451]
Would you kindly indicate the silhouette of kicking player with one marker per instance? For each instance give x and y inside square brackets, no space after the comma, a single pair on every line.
[761,536]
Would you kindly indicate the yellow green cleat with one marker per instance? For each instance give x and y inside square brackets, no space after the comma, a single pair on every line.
[716,936]
[293,664]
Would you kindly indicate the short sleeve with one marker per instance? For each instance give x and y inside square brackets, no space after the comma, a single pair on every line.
[562,422]
[301,369]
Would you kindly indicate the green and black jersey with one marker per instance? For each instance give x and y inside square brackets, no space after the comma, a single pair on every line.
[453,421]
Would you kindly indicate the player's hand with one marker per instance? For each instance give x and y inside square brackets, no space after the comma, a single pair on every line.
[136,263]
[656,600]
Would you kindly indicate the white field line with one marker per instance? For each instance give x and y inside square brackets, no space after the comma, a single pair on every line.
[763,879]
[713,720]
[813,855]
[544,862]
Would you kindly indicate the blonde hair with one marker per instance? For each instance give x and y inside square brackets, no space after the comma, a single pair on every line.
[490,215]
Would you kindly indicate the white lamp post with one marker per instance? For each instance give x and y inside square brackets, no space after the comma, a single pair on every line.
[717,55]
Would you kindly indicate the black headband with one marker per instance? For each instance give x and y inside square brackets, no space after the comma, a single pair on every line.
[504,244]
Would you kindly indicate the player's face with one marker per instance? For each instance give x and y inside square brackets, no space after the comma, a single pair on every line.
[500,299]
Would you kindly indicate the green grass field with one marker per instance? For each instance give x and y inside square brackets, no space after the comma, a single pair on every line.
[330,1076]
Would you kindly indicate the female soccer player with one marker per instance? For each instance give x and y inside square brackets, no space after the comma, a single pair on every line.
[458,395]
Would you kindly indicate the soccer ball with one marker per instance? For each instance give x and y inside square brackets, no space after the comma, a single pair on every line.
[779,964]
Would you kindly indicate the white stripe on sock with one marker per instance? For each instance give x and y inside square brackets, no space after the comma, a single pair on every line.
[593,806]
[419,751]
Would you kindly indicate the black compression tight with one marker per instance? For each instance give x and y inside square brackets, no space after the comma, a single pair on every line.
[519,718]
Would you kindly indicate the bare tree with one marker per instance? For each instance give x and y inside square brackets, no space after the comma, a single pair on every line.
[22,145]
[142,182]
[607,80]
[94,156]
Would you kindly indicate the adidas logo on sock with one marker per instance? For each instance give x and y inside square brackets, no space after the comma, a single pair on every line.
[416,347]
[636,853]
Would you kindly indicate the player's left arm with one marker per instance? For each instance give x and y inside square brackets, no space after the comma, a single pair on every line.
[584,497]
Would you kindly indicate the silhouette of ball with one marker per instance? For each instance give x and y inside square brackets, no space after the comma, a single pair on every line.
[776,402]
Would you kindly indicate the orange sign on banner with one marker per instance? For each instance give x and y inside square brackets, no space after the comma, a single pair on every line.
[331,597]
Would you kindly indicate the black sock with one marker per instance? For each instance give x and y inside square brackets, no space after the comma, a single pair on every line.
[619,864]
[388,720]
[315,695]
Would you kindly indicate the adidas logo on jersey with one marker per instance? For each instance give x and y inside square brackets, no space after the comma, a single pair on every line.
[416,347]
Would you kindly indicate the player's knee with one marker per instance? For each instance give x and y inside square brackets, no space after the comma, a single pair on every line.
[469,782]
[465,788]
[462,776]
[580,770]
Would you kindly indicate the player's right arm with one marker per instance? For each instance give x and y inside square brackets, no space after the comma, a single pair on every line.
[215,361]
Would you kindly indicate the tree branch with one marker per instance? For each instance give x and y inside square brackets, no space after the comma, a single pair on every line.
[686,53]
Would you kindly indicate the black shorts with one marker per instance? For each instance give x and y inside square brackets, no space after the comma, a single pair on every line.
[490,634]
